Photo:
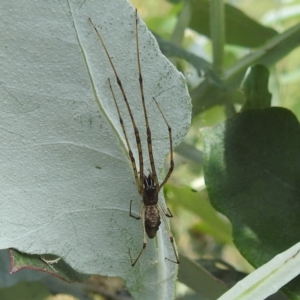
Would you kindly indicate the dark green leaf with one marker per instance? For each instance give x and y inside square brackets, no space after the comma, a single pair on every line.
[252,173]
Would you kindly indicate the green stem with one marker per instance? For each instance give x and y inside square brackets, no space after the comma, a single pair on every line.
[217,30]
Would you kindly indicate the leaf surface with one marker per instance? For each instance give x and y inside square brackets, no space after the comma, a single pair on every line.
[66,180]
[252,172]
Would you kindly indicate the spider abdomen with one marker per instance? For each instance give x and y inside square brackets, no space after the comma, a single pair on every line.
[152,220]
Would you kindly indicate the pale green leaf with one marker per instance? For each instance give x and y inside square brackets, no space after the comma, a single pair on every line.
[66,180]
[269,278]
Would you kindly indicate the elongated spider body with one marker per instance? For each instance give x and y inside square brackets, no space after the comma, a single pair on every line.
[148,186]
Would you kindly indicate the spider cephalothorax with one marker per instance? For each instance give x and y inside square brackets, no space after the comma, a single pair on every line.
[150,194]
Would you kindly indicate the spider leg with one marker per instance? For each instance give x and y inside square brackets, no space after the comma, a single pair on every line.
[133,262]
[149,138]
[131,214]
[136,131]
[166,213]
[171,150]
[127,142]
[163,216]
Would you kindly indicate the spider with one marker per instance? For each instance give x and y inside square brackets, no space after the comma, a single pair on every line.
[148,186]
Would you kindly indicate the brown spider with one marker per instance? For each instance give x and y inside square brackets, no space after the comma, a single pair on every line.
[148,186]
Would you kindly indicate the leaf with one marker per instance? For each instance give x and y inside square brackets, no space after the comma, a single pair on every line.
[8,279]
[252,165]
[54,284]
[255,88]
[25,291]
[66,179]
[269,278]
[169,49]
[47,263]
[208,94]
[241,30]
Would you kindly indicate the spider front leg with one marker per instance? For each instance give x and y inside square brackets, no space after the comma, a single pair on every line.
[171,168]
[139,181]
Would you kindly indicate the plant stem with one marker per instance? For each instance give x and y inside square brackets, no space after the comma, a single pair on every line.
[217,28]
